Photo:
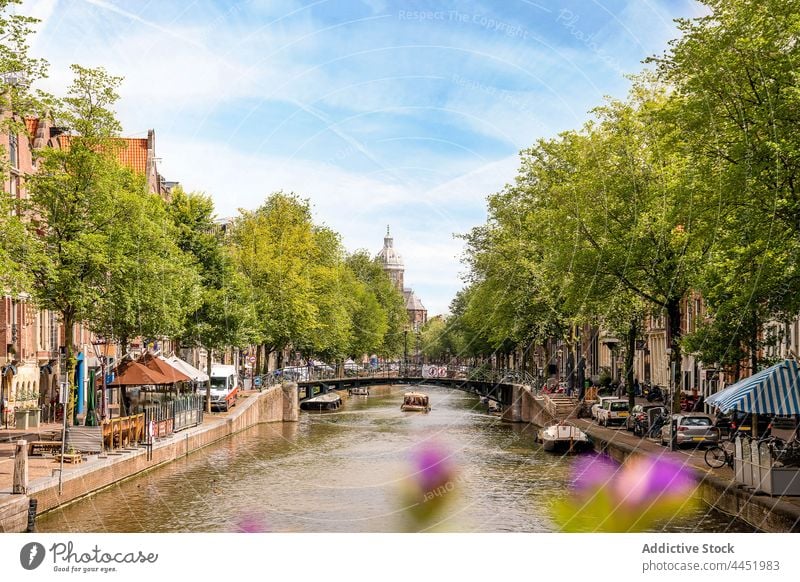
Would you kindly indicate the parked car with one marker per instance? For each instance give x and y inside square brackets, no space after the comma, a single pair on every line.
[639,414]
[691,428]
[613,411]
[734,423]
[597,405]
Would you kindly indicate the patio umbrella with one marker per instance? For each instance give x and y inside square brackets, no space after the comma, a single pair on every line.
[164,368]
[136,374]
[775,390]
[185,367]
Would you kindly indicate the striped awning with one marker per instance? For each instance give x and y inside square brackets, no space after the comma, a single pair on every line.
[775,390]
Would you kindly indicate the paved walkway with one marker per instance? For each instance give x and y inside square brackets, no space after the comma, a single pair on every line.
[44,466]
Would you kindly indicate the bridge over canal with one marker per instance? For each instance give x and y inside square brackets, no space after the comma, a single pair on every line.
[515,391]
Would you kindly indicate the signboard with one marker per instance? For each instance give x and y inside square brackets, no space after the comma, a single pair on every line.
[251,359]
[431,371]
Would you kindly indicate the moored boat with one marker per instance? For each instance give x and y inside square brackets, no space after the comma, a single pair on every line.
[329,401]
[564,437]
[415,402]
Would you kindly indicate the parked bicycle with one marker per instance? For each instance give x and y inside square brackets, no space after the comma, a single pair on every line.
[717,456]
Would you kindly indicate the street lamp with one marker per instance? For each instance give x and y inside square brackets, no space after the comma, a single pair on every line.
[405,351]
[96,343]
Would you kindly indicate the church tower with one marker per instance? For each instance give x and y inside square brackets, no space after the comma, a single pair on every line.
[393,266]
[392,261]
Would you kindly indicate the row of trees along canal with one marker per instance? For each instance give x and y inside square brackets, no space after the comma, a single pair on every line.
[91,245]
[688,184]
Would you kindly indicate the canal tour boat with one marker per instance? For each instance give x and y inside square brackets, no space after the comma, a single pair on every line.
[563,437]
[415,402]
[329,401]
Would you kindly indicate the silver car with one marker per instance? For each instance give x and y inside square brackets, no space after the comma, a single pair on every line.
[693,428]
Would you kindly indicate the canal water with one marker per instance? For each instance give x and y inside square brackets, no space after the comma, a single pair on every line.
[351,471]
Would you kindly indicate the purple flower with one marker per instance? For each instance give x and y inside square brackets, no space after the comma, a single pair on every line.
[646,479]
[433,467]
[592,472]
[250,523]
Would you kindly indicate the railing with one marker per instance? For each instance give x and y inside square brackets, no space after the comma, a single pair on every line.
[123,431]
[174,415]
[188,411]
[483,373]
[52,412]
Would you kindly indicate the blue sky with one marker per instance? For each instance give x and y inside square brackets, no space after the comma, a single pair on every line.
[379,112]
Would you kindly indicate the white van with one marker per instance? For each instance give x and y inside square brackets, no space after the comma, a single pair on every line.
[224,386]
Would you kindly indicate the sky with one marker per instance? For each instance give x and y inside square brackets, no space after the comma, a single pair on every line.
[406,113]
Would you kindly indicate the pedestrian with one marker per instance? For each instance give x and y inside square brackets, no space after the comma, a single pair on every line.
[637,389]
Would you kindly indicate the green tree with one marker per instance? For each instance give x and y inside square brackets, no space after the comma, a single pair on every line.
[273,248]
[18,71]
[223,315]
[378,329]
[74,197]
[734,73]
[151,284]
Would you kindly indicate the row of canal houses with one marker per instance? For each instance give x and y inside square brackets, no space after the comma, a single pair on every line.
[603,353]
[32,339]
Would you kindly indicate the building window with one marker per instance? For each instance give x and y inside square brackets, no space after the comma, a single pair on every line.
[54,337]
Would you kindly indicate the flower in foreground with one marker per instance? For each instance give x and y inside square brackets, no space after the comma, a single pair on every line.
[609,497]
[430,487]
[250,523]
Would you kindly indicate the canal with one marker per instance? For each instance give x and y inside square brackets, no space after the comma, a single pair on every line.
[346,472]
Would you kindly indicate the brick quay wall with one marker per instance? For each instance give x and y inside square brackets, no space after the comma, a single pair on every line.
[276,404]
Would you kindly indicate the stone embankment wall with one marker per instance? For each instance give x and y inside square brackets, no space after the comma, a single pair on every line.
[276,404]
[526,408]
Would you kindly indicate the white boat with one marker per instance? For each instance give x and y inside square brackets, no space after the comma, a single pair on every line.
[329,401]
[359,391]
[564,437]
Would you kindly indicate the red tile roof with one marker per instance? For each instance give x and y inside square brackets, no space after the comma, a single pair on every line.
[130,151]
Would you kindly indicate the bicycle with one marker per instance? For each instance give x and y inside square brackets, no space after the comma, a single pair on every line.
[717,456]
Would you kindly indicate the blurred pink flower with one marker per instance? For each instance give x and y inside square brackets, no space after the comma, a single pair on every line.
[589,472]
[433,466]
[611,497]
[645,479]
[250,523]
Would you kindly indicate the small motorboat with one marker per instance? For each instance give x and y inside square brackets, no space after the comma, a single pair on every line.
[359,391]
[415,402]
[330,401]
[563,437]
